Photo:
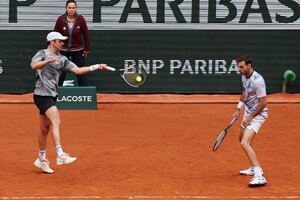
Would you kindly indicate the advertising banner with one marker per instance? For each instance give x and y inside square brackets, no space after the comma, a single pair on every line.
[186,46]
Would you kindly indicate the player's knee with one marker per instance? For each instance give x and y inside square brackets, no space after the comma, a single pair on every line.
[244,144]
[56,122]
[44,131]
[45,128]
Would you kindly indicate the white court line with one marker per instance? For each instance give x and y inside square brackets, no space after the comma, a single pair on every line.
[152,197]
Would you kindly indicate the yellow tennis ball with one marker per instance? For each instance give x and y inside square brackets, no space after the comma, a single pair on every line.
[138,79]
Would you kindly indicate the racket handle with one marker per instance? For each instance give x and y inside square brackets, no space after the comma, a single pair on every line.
[110,68]
[233,120]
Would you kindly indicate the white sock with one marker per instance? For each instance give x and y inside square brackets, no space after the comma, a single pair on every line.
[42,155]
[257,171]
[59,151]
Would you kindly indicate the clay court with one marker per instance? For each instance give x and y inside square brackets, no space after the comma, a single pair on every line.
[149,147]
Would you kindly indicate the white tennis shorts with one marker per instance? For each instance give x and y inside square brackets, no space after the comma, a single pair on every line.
[256,122]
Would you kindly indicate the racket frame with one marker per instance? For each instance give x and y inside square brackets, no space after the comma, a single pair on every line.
[223,134]
[124,71]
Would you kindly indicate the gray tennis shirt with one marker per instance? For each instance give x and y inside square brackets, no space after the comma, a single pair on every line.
[46,83]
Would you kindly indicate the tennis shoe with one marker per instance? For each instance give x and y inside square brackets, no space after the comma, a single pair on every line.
[257,181]
[65,159]
[44,165]
[249,172]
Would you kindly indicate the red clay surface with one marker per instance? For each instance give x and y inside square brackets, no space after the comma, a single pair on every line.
[150,150]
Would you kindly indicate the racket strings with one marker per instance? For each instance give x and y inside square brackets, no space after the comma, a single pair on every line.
[130,76]
[223,134]
[219,140]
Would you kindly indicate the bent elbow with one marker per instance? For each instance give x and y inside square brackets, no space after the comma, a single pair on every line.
[264,102]
[33,67]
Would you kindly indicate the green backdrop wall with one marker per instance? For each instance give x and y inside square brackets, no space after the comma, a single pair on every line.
[186,46]
[198,61]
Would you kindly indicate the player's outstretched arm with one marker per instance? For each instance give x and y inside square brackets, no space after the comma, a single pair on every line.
[84,70]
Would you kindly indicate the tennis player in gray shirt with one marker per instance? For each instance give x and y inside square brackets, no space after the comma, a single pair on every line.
[49,64]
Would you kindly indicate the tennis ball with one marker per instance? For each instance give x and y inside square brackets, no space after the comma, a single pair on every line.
[138,79]
[289,75]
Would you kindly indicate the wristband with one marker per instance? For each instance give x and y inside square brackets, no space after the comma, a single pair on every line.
[94,67]
[240,105]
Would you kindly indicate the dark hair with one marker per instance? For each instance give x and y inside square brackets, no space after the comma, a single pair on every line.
[247,59]
[71,1]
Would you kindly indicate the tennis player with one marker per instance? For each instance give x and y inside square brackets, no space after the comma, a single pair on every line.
[254,99]
[49,64]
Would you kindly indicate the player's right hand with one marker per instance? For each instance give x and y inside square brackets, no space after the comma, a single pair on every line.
[236,113]
[102,66]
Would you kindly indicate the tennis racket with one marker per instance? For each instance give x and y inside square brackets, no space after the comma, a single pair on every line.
[131,75]
[223,134]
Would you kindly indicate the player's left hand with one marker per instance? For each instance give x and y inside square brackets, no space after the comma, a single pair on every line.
[85,54]
[53,59]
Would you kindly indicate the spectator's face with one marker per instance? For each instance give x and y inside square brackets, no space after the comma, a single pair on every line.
[71,9]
